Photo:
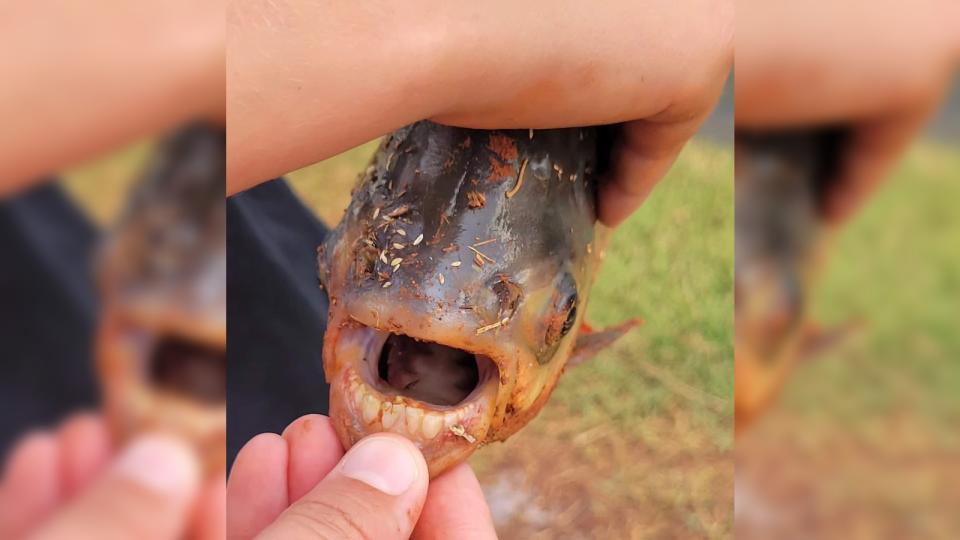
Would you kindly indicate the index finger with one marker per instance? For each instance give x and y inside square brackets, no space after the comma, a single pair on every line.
[455,508]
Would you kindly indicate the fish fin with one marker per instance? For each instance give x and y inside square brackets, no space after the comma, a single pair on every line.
[818,340]
[590,341]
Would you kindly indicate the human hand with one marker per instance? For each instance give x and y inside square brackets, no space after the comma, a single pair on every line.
[307,80]
[70,484]
[301,486]
[880,69]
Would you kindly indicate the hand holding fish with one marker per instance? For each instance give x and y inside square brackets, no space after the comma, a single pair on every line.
[301,486]
[73,483]
[880,71]
[308,80]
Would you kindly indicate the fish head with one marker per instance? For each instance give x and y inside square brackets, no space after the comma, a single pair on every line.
[458,279]
[161,271]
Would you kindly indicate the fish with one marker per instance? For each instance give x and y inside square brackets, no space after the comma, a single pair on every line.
[161,279]
[458,281]
[782,181]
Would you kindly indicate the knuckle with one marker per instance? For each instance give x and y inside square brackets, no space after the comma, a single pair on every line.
[327,519]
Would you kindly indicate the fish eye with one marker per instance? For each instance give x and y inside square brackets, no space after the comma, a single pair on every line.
[571,310]
[563,311]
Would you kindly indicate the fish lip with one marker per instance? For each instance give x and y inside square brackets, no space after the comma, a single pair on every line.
[357,379]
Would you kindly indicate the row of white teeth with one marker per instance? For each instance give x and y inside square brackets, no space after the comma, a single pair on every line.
[404,418]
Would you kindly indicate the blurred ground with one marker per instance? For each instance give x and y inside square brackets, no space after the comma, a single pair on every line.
[864,443]
[636,443]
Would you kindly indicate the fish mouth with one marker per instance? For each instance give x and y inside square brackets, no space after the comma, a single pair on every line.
[158,377]
[440,397]
[189,369]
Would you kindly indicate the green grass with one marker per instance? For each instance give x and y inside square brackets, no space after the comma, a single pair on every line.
[672,264]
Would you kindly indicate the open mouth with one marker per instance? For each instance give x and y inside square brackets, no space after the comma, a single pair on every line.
[418,388]
[428,372]
[190,370]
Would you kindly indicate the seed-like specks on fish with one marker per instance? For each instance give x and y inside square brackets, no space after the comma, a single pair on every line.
[475,199]
[399,211]
[396,261]
[376,212]
[418,240]
[401,232]
[383,257]
[481,255]
[516,188]
[398,246]
[459,431]
[489,327]
[387,284]
[455,264]
[440,278]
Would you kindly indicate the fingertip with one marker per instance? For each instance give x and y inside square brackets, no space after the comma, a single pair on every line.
[30,487]
[28,452]
[160,463]
[257,486]
[313,451]
[442,515]
[389,463]
[616,204]
[85,450]
[210,517]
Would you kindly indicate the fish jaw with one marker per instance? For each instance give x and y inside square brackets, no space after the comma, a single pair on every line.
[361,404]
[133,404]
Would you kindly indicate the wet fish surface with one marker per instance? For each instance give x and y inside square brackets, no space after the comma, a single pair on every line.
[161,341]
[458,280]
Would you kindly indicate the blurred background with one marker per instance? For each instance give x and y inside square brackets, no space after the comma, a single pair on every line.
[50,234]
[863,441]
[636,443]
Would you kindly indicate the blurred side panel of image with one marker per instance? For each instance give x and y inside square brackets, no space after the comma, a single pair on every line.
[847,283]
[112,264]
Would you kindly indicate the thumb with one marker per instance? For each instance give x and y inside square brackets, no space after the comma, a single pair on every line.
[146,494]
[376,491]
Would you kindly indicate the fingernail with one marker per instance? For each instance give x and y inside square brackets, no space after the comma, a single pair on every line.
[160,464]
[383,463]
